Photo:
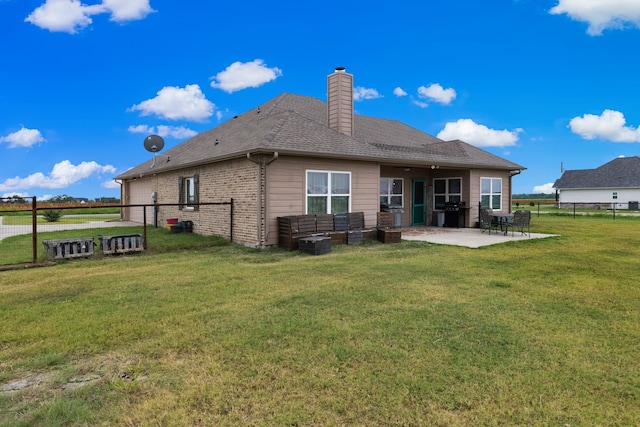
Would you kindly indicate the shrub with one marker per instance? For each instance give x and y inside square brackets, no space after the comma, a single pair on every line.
[52,215]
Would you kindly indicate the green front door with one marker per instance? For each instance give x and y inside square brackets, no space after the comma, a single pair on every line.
[417,206]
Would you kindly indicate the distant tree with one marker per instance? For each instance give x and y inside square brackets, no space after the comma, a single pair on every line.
[534,196]
[107,200]
[52,215]
[62,199]
[17,199]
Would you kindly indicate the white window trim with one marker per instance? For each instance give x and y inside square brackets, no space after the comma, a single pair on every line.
[447,194]
[183,186]
[189,184]
[328,194]
[491,193]
[389,195]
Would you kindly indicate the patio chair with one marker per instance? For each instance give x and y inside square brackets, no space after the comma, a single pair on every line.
[487,221]
[521,221]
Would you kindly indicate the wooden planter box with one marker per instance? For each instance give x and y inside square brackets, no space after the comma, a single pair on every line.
[389,236]
[316,245]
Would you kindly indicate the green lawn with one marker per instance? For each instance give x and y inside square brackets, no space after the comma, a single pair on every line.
[540,332]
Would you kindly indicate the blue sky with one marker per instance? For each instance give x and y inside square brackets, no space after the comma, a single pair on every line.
[543,83]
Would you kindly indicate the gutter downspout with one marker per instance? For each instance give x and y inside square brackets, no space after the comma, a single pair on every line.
[262,166]
[511,175]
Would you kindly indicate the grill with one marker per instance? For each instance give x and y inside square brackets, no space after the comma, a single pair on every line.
[397,210]
[452,214]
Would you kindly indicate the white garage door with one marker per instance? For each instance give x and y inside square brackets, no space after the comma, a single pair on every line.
[139,194]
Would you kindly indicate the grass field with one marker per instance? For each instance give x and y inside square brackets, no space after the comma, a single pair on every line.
[540,332]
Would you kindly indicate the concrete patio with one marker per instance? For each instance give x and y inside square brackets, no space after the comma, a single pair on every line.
[468,237]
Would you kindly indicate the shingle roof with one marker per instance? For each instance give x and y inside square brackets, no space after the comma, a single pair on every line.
[297,125]
[623,172]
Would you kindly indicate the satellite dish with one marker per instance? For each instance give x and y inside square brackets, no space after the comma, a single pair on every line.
[153,143]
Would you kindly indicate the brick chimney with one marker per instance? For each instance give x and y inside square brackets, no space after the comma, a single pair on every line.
[340,101]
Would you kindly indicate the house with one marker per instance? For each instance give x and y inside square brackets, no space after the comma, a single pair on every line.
[296,155]
[614,183]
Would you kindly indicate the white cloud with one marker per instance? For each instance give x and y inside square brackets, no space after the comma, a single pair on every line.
[362,93]
[62,175]
[610,126]
[175,103]
[69,16]
[399,92]
[437,93]
[544,188]
[111,184]
[220,114]
[420,103]
[23,138]
[178,132]
[146,129]
[239,75]
[127,10]
[600,14]
[479,135]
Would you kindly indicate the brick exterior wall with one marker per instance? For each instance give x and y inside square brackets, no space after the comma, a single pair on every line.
[218,182]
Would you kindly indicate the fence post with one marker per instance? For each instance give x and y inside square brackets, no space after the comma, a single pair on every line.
[34,229]
[144,226]
[231,223]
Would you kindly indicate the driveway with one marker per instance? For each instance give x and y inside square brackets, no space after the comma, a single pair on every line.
[15,230]
[468,237]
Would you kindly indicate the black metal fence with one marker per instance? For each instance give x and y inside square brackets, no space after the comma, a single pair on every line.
[580,209]
[29,229]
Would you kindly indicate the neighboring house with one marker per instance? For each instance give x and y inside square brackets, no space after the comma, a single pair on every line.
[296,154]
[614,183]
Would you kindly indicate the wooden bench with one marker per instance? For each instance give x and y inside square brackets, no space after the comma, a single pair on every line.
[69,248]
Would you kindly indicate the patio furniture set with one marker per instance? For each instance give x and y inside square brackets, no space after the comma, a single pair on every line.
[520,221]
[316,233]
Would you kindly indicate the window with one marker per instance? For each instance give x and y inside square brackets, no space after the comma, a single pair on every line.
[446,190]
[615,195]
[491,193]
[391,191]
[188,192]
[328,192]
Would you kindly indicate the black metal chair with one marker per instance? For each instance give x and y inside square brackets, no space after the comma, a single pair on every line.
[487,221]
[521,221]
